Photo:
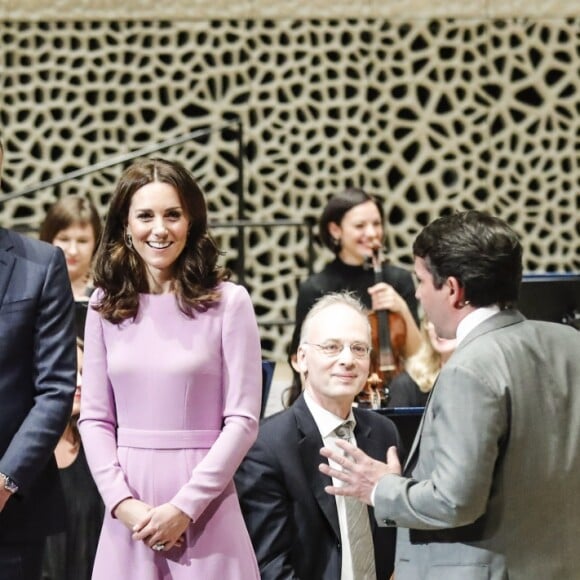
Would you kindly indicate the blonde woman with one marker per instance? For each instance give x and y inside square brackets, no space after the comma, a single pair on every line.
[412,387]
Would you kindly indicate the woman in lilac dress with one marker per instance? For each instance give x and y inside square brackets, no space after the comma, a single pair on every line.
[172,387]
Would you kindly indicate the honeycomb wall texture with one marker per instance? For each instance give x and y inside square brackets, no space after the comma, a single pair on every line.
[432,114]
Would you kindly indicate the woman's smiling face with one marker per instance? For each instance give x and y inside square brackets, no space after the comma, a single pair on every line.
[360,231]
[158,227]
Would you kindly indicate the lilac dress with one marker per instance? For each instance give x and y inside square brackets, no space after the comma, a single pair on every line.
[169,409]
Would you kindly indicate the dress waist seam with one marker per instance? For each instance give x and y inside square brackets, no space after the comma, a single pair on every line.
[166,439]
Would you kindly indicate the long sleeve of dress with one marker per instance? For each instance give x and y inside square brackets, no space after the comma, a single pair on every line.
[242,384]
[98,420]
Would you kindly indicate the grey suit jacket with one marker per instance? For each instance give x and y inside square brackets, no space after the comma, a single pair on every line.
[491,489]
[293,522]
[37,381]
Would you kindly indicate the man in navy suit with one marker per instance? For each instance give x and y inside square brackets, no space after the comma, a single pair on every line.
[298,531]
[37,384]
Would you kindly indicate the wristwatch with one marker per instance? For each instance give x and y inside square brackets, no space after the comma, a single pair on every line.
[9,484]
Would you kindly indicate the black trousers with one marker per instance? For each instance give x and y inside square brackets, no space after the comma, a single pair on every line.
[21,560]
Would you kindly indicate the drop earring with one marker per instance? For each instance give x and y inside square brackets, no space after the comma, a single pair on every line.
[128,240]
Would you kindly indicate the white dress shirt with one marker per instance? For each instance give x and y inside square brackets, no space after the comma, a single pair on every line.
[474,319]
[327,422]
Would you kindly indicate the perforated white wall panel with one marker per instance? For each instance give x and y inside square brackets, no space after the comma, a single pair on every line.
[431,114]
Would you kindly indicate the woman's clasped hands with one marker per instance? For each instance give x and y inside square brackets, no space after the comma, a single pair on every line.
[160,528]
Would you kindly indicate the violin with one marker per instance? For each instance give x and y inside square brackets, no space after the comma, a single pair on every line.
[389,334]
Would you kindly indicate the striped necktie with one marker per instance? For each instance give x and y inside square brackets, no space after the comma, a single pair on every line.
[359,528]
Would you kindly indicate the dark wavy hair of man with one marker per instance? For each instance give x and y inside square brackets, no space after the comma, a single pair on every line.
[481,251]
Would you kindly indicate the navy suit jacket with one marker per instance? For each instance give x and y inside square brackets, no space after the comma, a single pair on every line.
[293,522]
[37,381]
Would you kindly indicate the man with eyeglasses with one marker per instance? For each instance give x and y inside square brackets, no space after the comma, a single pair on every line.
[298,531]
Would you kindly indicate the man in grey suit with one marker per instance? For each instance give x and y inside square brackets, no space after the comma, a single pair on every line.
[491,488]
[37,384]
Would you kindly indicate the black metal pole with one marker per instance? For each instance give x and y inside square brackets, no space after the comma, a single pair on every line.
[310,248]
[241,262]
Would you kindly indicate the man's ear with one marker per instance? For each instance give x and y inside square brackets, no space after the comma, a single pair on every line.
[294,362]
[301,365]
[456,292]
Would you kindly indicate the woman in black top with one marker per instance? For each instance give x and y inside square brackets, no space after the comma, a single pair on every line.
[351,226]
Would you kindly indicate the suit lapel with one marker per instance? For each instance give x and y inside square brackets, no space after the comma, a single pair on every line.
[7,261]
[309,447]
[499,320]
[362,434]
[415,444]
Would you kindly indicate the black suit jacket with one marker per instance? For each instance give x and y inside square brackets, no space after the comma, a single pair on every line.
[293,522]
[37,381]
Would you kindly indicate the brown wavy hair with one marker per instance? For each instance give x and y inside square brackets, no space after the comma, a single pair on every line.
[120,272]
[67,212]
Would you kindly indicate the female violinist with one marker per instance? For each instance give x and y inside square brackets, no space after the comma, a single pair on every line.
[351,226]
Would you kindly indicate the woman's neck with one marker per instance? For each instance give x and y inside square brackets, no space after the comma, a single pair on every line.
[79,286]
[351,260]
[67,449]
[68,434]
[160,284]
[157,288]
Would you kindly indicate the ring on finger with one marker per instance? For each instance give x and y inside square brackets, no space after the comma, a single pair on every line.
[159,546]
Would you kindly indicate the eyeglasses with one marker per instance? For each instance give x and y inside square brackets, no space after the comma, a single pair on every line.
[335,347]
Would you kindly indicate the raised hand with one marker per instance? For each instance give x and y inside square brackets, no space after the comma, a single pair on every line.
[359,473]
